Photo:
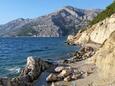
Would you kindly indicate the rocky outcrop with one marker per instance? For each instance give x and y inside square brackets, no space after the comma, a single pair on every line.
[98,33]
[105,61]
[31,72]
[66,74]
[82,54]
[63,22]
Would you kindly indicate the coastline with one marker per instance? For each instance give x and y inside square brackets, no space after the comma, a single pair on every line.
[77,59]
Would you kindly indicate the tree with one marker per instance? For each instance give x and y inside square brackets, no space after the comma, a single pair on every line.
[104,14]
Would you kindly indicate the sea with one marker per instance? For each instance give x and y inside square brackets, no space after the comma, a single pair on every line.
[14,52]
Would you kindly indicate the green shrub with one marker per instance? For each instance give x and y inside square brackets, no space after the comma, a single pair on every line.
[104,14]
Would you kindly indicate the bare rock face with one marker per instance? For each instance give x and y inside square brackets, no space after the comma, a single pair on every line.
[35,67]
[31,72]
[98,33]
[105,61]
[70,39]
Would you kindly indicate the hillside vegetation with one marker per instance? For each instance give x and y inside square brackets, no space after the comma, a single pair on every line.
[104,14]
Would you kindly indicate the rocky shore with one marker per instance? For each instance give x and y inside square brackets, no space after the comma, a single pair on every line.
[64,71]
[29,74]
[73,69]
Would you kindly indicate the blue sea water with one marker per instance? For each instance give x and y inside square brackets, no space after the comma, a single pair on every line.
[14,52]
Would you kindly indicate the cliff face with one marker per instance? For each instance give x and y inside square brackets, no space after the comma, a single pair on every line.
[98,33]
[105,60]
[102,33]
[63,22]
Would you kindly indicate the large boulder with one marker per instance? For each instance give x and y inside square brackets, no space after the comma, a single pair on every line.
[31,72]
[34,67]
[66,72]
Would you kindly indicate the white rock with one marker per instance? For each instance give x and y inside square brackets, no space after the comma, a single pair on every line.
[30,62]
[74,76]
[70,39]
[65,72]
[59,69]
[52,84]
[68,78]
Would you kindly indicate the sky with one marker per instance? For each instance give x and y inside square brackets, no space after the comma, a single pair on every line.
[13,9]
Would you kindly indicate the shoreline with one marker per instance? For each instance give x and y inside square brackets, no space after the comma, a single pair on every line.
[77,57]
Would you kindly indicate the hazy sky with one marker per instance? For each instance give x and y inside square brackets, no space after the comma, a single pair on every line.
[12,9]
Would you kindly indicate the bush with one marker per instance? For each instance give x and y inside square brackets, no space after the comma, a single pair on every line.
[104,14]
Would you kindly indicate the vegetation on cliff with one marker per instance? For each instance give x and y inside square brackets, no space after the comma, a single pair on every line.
[104,14]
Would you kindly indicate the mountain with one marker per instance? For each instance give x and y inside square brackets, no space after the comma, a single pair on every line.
[63,22]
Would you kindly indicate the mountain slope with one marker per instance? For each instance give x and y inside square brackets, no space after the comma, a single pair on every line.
[60,23]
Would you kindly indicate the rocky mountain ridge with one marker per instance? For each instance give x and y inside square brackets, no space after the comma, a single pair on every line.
[63,22]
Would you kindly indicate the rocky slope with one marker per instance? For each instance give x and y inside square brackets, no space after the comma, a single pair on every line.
[105,61]
[63,22]
[98,33]
[102,33]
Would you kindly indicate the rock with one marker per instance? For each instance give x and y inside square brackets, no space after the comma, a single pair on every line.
[84,53]
[68,78]
[30,62]
[5,82]
[59,69]
[66,72]
[31,72]
[74,76]
[104,59]
[85,74]
[53,84]
[52,77]
[70,39]
[35,67]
